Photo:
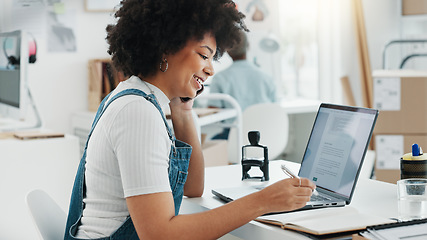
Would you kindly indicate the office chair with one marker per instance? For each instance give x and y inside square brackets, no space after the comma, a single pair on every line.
[49,218]
[272,121]
[234,144]
[368,165]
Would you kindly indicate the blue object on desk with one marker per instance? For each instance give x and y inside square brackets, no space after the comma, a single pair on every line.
[415,150]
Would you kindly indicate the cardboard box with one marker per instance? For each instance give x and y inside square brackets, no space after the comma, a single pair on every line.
[414,7]
[215,152]
[389,149]
[103,78]
[401,98]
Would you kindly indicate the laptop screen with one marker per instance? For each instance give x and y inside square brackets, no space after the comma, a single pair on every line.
[337,146]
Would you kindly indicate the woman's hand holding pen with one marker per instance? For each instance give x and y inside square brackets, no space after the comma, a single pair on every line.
[286,195]
[290,174]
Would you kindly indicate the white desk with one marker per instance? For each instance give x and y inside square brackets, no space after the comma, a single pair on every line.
[47,164]
[373,197]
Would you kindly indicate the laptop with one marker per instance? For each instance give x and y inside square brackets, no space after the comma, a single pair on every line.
[333,157]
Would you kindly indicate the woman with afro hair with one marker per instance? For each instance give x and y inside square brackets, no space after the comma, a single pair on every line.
[135,170]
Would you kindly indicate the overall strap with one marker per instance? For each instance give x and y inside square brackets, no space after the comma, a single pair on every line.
[103,106]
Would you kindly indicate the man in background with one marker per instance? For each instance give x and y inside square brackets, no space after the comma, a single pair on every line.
[243,81]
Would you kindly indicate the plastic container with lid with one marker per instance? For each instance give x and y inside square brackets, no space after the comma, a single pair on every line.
[413,164]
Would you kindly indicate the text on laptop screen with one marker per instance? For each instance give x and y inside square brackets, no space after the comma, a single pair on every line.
[336,148]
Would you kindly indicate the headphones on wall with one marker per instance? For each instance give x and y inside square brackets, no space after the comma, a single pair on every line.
[32,56]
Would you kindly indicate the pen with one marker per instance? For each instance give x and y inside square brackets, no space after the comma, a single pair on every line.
[288,172]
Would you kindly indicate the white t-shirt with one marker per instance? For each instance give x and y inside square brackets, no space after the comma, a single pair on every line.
[127,155]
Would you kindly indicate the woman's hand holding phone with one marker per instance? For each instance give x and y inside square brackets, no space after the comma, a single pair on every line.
[186,99]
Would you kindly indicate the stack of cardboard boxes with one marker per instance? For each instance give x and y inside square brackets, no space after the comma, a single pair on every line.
[401,98]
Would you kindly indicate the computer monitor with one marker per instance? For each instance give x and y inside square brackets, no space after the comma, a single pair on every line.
[14,59]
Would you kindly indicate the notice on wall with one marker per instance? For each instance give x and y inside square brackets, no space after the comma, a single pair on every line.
[101,5]
[389,150]
[28,15]
[61,35]
[387,94]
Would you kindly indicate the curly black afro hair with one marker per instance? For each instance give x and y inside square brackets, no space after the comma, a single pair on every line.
[148,29]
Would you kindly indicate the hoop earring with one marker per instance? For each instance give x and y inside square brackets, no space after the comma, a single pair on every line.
[161,63]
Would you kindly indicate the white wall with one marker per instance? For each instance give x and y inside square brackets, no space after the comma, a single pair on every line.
[58,81]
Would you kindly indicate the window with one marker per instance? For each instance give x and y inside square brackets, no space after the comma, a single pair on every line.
[299,49]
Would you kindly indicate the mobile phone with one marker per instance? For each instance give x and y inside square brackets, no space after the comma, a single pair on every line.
[186,99]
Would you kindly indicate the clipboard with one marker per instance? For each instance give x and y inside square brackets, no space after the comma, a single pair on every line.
[414,229]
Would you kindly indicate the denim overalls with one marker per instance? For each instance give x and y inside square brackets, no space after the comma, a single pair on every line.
[179,158]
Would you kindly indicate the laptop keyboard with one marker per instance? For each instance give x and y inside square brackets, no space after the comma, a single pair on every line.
[316,198]
[313,198]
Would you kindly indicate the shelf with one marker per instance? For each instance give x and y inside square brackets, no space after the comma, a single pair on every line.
[103,78]
[219,116]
